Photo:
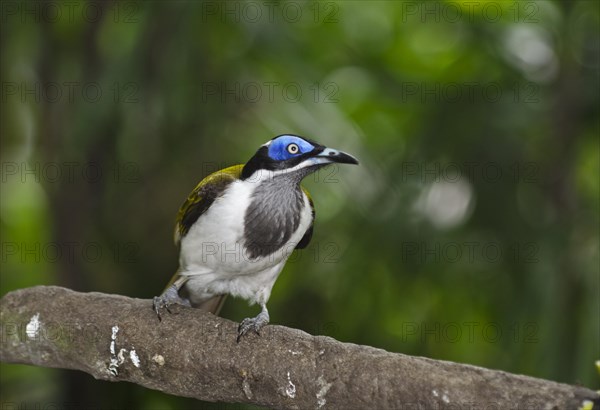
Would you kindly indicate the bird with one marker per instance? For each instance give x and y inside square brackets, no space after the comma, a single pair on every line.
[239,225]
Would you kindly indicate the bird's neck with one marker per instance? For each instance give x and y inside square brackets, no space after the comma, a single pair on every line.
[289,180]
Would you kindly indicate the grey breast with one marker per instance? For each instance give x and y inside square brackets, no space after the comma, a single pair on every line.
[272,217]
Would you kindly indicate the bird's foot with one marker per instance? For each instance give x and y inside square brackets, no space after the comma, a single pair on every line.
[168,298]
[253,324]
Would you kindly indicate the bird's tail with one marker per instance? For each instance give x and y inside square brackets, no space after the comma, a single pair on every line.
[212,305]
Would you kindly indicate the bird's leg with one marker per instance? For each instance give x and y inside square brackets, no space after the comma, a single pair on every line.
[170,296]
[254,323]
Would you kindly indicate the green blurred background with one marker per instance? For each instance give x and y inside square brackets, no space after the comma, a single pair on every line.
[468,233]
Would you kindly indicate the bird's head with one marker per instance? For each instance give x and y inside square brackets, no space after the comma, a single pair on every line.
[293,155]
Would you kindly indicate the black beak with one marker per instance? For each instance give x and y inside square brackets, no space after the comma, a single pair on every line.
[329,155]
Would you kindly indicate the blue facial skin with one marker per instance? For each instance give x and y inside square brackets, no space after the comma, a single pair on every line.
[278,150]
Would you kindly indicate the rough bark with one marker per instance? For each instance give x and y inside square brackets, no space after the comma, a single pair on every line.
[195,354]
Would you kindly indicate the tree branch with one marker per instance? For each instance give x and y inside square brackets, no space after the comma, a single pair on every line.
[194,354]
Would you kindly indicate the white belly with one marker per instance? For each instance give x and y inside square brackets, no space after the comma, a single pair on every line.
[213,255]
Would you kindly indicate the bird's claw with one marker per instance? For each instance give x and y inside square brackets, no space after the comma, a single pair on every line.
[254,324]
[168,298]
[158,304]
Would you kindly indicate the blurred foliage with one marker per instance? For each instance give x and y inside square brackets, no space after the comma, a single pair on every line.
[468,233]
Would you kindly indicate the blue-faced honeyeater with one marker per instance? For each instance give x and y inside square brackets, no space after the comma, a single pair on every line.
[238,227]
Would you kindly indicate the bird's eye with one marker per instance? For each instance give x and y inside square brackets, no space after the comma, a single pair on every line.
[293,148]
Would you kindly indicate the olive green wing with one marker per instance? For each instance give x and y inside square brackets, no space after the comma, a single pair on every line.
[309,232]
[202,197]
